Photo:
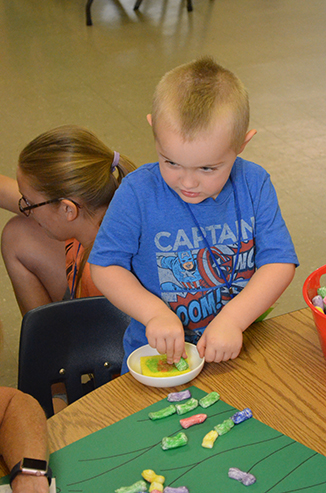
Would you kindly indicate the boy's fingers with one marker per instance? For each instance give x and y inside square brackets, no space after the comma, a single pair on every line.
[179,350]
[170,351]
[201,346]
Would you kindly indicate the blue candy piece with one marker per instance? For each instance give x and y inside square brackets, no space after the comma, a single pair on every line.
[241,416]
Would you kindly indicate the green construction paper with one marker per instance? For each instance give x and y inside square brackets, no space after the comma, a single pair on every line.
[116,456]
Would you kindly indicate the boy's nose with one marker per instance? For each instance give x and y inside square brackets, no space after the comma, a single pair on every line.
[189,180]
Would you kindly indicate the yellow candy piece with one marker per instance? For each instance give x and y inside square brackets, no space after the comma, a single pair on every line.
[159,479]
[156,486]
[151,476]
[319,309]
[209,439]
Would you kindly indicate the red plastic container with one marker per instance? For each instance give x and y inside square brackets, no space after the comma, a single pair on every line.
[309,290]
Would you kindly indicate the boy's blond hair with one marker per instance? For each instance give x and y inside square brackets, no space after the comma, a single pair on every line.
[190,97]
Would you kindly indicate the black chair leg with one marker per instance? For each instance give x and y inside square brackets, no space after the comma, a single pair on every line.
[189,5]
[88,13]
[137,4]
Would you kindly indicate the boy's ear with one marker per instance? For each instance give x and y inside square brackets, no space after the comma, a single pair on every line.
[247,139]
[70,209]
[149,119]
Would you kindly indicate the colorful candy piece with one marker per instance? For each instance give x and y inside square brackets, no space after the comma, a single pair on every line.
[319,309]
[224,427]
[134,488]
[193,420]
[241,416]
[209,399]
[322,291]
[209,439]
[176,441]
[186,407]
[182,364]
[318,301]
[248,479]
[156,487]
[180,489]
[244,477]
[151,476]
[163,413]
[179,396]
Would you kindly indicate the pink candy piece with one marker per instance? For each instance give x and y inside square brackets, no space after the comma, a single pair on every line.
[193,420]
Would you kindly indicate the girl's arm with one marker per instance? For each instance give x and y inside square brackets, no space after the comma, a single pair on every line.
[23,433]
[9,194]
[164,329]
[222,339]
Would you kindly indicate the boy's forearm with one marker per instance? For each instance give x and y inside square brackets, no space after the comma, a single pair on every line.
[263,289]
[124,290]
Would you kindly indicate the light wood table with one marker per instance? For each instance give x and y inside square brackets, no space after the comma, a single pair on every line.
[280,375]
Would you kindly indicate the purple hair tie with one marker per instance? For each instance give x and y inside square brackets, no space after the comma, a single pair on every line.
[115,162]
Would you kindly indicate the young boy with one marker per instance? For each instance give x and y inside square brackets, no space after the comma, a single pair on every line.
[200,230]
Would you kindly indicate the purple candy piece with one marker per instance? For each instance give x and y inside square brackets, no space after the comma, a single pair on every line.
[318,301]
[243,477]
[179,396]
[248,479]
[180,489]
[235,473]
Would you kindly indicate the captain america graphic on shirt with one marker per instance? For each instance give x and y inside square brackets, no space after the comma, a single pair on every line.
[193,286]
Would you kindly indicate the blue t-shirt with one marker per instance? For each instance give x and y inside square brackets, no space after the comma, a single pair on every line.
[173,247]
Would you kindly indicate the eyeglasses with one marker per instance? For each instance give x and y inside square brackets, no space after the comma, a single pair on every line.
[25,207]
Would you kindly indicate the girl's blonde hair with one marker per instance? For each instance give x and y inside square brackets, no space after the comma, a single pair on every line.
[191,96]
[71,162]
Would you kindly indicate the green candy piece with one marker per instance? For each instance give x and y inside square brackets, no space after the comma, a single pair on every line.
[224,427]
[187,406]
[209,399]
[182,365]
[322,291]
[163,413]
[178,440]
[134,488]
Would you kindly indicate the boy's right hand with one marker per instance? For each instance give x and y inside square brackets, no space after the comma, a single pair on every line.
[165,333]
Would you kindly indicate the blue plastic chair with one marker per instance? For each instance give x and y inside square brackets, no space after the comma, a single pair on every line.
[62,341]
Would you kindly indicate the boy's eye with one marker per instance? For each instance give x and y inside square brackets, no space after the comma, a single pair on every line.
[171,163]
[208,168]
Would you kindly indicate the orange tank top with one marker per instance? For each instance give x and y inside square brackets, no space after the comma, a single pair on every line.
[86,287]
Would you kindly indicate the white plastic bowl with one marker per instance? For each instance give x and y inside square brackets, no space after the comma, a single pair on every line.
[195,362]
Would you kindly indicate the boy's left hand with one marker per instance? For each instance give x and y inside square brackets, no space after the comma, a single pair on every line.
[220,342]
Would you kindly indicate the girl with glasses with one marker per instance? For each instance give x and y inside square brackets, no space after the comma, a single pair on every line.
[66,179]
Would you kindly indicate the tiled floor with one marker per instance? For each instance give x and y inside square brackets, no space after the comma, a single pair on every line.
[55,70]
